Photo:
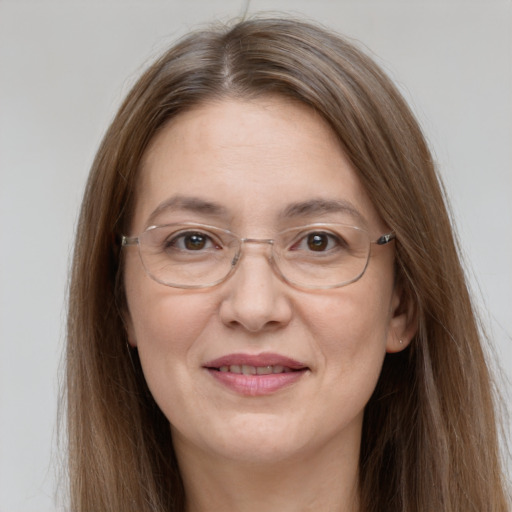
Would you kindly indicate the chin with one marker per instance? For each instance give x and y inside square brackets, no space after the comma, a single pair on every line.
[256,449]
[257,438]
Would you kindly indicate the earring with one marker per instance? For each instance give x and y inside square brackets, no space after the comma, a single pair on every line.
[401,341]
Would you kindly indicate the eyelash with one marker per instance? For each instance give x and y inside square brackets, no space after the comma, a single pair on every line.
[179,241]
[307,237]
[174,240]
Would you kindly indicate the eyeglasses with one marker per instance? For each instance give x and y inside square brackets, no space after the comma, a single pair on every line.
[316,256]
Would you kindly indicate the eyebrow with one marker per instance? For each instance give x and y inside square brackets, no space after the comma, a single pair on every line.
[322,206]
[188,203]
[299,209]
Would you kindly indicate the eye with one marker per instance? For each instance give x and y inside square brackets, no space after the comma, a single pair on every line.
[191,241]
[318,241]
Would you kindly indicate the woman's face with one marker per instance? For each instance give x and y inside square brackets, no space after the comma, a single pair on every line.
[256,168]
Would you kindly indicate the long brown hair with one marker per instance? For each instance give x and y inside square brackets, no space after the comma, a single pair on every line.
[429,436]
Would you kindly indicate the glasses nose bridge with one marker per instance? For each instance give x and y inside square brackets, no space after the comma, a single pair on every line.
[258,241]
[269,241]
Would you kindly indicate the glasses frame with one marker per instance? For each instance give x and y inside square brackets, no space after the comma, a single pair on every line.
[129,241]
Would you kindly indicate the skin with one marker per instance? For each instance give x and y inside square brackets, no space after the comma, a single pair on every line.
[298,448]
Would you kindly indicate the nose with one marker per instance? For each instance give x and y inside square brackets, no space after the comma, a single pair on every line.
[255,299]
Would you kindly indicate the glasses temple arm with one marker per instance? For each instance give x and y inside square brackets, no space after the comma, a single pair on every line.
[129,240]
[384,239]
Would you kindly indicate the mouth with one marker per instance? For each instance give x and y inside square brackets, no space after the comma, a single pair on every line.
[259,364]
[246,369]
[256,375]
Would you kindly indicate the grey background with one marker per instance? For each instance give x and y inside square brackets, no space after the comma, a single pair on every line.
[66,65]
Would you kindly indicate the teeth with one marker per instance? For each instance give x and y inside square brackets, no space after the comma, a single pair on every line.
[264,370]
[254,370]
[248,370]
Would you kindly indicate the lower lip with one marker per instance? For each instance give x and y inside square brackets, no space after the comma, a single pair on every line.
[256,385]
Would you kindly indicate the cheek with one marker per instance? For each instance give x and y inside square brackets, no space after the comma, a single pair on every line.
[165,325]
[168,334]
[168,322]
[159,316]
[350,331]
[352,320]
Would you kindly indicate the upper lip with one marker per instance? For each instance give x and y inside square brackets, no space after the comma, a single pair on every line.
[265,359]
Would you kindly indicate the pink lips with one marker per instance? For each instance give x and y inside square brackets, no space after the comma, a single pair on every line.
[255,375]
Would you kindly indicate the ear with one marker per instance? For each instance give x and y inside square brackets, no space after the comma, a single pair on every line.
[403,321]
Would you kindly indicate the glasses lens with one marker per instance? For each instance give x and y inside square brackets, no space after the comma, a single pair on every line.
[322,256]
[196,256]
[187,255]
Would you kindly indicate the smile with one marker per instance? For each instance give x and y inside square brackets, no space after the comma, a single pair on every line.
[256,375]
[255,370]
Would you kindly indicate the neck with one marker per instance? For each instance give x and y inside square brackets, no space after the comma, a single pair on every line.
[319,481]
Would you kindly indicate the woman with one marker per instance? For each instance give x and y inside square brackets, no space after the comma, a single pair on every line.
[267,308]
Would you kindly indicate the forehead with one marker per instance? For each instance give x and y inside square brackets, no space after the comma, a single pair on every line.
[251,159]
